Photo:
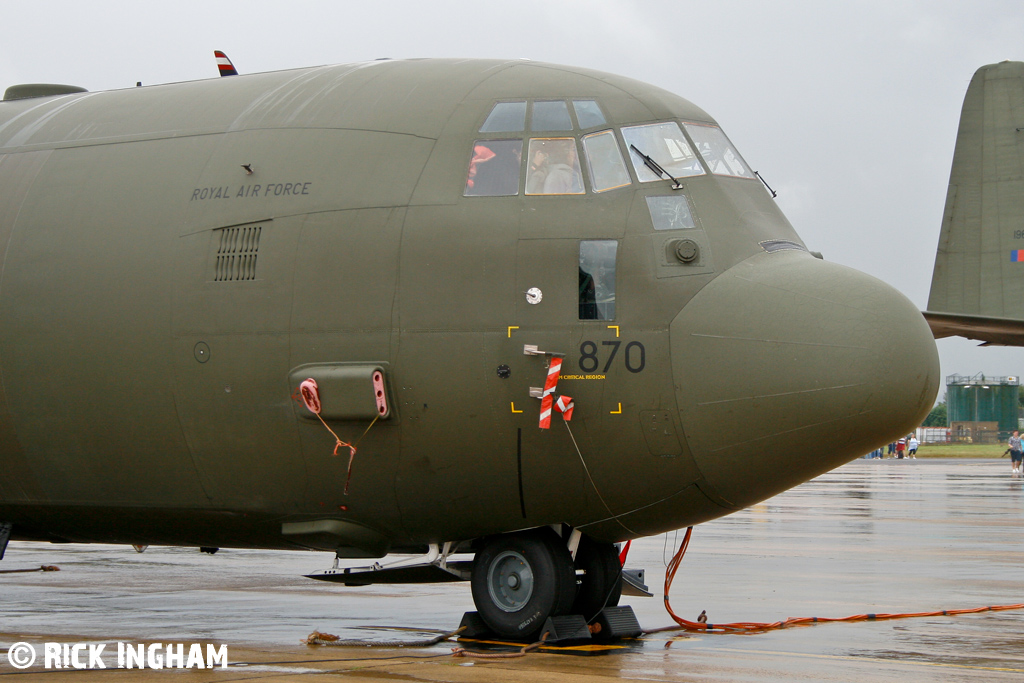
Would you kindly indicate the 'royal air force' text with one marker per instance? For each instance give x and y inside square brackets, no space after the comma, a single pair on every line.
[251,191]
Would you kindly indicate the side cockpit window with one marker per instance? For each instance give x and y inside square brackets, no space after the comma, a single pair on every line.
[718,153]
[597,279]
[665,144]
[494,168]
[554,167]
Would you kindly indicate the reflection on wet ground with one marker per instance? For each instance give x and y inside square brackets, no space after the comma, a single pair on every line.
[871,536]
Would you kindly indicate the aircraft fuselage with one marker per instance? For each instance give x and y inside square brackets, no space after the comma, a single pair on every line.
[178,258]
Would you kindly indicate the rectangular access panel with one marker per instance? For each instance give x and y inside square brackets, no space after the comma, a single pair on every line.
[347,391]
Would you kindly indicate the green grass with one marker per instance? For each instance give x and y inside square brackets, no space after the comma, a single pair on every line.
[961,450]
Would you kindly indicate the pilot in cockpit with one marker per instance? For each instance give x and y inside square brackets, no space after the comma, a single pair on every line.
[563,176]
[538,171]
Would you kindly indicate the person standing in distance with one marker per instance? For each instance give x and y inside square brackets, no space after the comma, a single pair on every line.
[1015,452]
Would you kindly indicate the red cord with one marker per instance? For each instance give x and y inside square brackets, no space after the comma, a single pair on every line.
[751,626]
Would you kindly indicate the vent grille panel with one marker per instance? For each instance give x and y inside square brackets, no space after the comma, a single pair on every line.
[236,254]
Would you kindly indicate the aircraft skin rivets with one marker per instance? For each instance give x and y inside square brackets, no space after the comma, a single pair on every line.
[534,296]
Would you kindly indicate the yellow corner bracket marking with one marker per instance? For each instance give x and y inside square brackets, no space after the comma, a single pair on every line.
[616,412]
[616,328]
[514,327]
[514,408]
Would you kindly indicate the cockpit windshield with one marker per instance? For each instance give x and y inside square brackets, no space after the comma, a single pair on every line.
[559,140]
[718,153]
[665,144]
[607,171]
[554,167]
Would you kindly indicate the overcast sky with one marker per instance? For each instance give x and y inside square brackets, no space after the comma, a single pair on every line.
[849,109]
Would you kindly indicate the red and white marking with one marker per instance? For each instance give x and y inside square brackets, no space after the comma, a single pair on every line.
[547,398]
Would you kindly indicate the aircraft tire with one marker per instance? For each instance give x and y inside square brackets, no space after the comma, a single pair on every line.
[601,585]
[521,579]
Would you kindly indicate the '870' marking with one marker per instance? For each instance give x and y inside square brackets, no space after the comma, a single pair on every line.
[634,356]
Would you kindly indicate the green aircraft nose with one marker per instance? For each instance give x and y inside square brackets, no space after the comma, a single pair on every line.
[787,366]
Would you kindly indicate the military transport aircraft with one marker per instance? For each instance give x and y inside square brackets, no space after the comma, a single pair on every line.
[507,308]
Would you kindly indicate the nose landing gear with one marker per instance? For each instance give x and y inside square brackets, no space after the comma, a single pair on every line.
[521,579]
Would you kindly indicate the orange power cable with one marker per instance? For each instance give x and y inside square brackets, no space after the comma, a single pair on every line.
[754,627]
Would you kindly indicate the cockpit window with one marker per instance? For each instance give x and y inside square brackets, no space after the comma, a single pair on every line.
[506,117]
[597,279]
[665,144]
[550,116]
[604,161]
[670,213]
[494,168]
[554,167]
[588,113]
[718,153]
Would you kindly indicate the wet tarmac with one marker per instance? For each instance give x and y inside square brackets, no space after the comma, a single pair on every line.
[871,536]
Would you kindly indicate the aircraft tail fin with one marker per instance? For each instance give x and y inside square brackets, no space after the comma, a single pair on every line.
[978,282]
[224,64]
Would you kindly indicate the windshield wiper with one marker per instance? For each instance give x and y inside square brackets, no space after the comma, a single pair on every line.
[656,167]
